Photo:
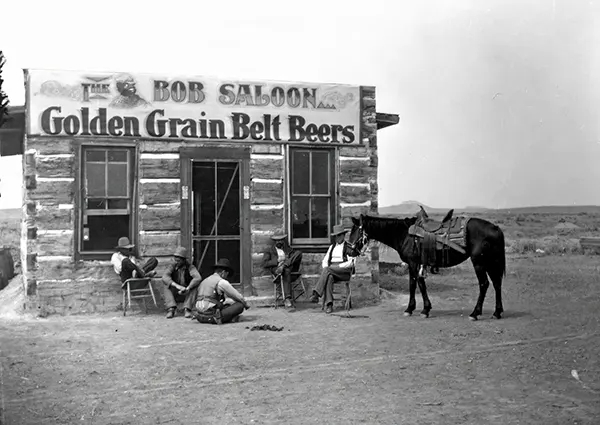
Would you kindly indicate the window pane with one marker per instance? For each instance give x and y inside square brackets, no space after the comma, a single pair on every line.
[118,204]
[95,155]
[95,176]
[96,204]
[117,156]
[320,173]
[117,180]
[300,170]
[320,217]
[105,231]
[300,217]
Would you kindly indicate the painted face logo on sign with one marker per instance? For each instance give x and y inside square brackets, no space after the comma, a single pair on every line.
[128,97]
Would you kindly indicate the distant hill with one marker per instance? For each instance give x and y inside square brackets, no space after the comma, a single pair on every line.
[10,213]
[410,208]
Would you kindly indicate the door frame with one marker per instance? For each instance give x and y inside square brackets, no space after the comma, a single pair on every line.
[209,153]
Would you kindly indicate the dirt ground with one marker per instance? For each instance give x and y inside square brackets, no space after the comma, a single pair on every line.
[378,367]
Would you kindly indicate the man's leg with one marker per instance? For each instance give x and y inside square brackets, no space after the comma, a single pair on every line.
[321,283]
[286,279]
[190,301]
[127,269]
[336,274]
[231,311]
[170,302]
[295,260]
[150,265]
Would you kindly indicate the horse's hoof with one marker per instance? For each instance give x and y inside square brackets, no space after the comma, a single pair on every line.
[496,317]
[472,318]
[425,315]
[407,314]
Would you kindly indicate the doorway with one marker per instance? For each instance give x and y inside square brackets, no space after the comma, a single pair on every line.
[215,208]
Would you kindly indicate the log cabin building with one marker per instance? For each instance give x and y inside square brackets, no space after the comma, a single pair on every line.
[213,165]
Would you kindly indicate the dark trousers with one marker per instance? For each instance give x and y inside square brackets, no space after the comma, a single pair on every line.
[128,267]
[172,297]
[228,313]
[286,275]
[328,277]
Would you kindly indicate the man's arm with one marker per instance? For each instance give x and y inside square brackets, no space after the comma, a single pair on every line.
[268,260]
[166,277]
[230,291]
[348,264]
[325,261]
[196,278]
[116,261]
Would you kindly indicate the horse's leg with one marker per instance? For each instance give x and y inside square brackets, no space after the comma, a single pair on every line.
[496,276]
[412,289]
[426,302]
[484,284]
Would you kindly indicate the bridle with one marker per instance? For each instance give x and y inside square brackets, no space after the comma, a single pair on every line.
[361,241]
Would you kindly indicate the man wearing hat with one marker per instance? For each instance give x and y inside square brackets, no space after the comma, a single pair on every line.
[125,263]
[338,266]
[281,260]
[213,291]
[181,283]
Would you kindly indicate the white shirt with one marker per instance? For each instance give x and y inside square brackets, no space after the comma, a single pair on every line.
[116,260]
[337,257]
[280,254]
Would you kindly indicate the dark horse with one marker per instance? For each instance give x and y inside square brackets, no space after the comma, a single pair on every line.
[484,245]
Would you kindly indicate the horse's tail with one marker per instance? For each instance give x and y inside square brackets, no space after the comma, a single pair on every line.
[501,255]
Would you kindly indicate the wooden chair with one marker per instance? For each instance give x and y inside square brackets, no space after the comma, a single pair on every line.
[297,283]
[137,288]
[347,296]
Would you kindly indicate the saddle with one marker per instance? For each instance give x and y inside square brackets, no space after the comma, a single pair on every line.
[432,236]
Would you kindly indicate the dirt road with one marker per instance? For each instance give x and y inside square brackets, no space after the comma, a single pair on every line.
[376,368]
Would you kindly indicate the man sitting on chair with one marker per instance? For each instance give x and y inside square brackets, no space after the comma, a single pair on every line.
[125,263]
[213,290]
[181,283]
[338,266]
[281,259]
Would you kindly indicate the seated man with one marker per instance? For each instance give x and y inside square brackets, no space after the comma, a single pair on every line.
[181,283]
[125,263]
[281,259]
[338,266]
[211,297]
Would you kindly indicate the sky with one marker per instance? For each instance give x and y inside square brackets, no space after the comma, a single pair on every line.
[498,99]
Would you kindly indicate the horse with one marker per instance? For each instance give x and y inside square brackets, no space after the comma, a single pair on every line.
[484,246]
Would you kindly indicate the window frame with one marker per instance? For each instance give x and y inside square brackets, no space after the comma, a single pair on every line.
[320,244]
[81,147]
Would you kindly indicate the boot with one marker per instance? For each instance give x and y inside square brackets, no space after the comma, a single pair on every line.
[171,313]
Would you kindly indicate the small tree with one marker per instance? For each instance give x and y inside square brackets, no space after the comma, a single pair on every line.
[3,96]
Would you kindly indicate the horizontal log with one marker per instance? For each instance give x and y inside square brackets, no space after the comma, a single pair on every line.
[266,220]
[354,194]
[55,243]
[159,193]
[50,146]
[154,146]
[357,171]
[159,243]
[266,168]
[54,218]
[160,218]
[357,151]
[348,212]
[53,192]
[159,168]
[55,166]
[60,270]
[259,148]
[260,242]
[266,193]
[367,92]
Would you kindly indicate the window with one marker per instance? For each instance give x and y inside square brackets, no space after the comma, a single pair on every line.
[312,195]
[106,198]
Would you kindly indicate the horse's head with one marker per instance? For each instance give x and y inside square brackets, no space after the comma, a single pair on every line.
[358,237]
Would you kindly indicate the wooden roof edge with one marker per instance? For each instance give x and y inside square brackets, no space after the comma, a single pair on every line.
[386,120]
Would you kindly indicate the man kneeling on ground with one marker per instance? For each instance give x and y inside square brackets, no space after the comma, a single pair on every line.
[211,305]
[181,283]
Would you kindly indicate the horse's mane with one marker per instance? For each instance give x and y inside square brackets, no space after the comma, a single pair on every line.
[389,223]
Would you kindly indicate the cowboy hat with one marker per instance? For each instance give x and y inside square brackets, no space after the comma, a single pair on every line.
[278,235]
[338,229]
[223,263]
[124,243]
[180,252]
